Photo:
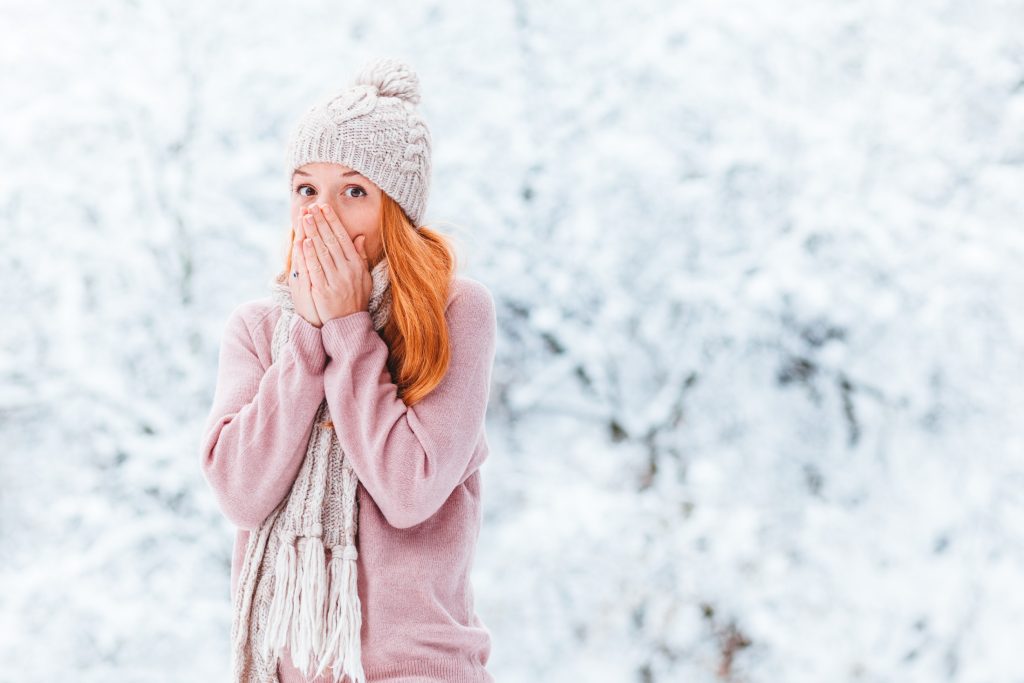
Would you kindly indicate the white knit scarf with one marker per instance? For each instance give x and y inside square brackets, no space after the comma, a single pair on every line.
[288,594]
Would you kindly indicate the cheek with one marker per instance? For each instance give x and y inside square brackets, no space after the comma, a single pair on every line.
[360,221]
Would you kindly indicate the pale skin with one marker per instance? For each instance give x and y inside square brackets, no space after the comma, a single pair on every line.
[336,211]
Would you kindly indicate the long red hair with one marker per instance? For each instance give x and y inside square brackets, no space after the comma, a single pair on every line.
[421,266]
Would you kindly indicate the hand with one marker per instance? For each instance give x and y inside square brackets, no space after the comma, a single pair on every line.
[338,268]
[302,288]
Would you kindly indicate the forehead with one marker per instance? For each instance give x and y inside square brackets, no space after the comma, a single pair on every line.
[327,169]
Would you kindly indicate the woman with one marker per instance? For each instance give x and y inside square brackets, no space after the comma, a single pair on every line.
[347,427]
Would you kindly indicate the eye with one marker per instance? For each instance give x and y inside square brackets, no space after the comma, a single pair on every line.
[356,187]
[298,190]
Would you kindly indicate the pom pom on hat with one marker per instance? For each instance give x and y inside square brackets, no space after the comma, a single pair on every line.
[392,78]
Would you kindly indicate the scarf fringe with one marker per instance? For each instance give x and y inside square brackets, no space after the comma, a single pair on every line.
[307,621]
[309,593]
[344,620]
[275,633]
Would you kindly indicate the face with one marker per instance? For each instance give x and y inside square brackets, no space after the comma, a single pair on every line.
[351,196]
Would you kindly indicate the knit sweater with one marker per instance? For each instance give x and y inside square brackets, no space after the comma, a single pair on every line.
[418,468]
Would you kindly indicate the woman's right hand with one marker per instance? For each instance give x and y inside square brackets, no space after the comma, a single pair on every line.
[302,286]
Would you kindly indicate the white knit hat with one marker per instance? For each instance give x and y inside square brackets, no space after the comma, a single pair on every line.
[373,127]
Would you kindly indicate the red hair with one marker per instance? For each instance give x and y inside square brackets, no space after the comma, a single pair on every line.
[421,265]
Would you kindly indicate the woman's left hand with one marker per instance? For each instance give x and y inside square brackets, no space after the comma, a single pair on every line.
[338,268]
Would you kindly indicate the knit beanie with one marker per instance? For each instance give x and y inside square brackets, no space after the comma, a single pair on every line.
[374,127]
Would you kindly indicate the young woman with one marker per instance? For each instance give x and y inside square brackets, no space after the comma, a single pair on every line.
[347,426]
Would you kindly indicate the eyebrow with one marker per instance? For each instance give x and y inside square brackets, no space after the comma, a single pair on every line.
[343,175]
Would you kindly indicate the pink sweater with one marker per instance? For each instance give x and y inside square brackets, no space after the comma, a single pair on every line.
[418,468]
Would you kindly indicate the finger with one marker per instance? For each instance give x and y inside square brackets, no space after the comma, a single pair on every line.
[344,241]
[323,253]
[330,236]
[315,270]
[308,218]
[316,225]
[301,284]
[307,226]
[298,265]
[362,250]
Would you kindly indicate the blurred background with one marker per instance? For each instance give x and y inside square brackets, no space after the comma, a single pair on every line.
[756,411]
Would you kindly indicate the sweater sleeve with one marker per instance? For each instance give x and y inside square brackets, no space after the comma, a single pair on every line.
[259,426]
[411,458]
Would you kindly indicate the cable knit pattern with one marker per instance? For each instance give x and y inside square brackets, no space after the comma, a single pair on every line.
[411,473]
[374,127]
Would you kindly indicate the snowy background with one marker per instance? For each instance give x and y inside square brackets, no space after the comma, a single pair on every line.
[757,403]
